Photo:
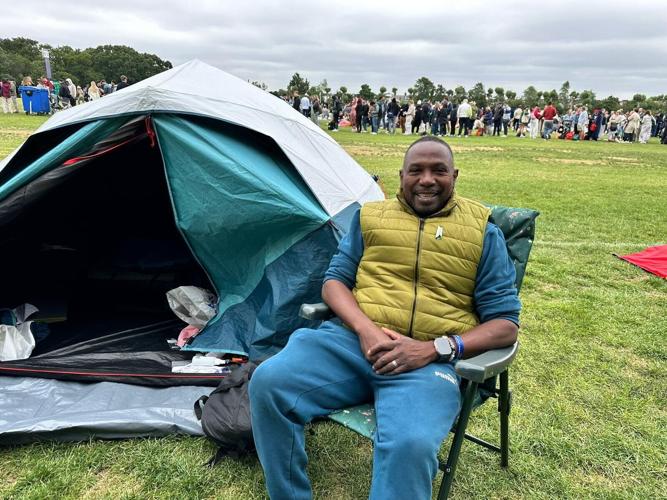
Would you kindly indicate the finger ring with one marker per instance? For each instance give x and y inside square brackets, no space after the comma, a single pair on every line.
[394,364]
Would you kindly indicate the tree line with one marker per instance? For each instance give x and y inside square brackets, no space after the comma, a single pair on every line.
[425,89]
[20,57]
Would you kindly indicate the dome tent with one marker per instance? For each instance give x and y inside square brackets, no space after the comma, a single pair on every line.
[192,176]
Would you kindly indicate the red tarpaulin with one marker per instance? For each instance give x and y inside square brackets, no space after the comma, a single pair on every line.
[653,260]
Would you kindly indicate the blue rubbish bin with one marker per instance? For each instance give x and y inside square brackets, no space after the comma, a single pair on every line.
[35,100]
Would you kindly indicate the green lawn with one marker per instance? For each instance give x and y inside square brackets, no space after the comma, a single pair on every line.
[590,386]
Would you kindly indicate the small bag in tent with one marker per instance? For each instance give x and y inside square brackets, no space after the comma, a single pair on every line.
[170,182]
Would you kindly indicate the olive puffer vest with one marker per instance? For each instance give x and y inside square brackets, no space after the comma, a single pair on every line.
[417,276]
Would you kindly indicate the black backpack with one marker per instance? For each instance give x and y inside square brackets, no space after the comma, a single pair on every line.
[225,414]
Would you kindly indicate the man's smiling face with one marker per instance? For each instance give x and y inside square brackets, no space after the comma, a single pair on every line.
[428,177]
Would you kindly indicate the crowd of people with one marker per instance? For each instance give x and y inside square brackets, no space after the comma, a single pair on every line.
[63,93]
[439,118]
[447,118]
[636,125]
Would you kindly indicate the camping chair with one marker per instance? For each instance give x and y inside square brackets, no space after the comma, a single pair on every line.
[483,376]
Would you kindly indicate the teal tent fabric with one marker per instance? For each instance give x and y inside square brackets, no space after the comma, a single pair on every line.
[78,143]
[238,201]
[261,325]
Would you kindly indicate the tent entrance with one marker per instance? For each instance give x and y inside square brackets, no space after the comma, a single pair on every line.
[96,252]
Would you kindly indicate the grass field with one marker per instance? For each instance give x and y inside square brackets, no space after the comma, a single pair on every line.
[590,387]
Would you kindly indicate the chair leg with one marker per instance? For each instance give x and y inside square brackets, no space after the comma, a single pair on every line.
[504,405]
[453,457]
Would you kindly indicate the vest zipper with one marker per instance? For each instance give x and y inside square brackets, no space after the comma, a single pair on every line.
[416,278]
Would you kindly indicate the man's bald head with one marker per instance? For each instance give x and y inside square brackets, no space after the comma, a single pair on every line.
[430,139]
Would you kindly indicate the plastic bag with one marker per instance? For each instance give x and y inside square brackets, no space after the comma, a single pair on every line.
[16,339]
[194,305]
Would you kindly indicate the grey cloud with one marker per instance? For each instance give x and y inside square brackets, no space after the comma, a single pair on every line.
[610,47]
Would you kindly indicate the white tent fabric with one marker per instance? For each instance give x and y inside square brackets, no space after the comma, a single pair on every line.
[200,89]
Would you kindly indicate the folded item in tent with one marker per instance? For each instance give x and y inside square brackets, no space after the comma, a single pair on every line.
[16,338]
[652,259]
[211,359]
[194,367]
[38,327]
[16,342]
[201,364]
[19,314]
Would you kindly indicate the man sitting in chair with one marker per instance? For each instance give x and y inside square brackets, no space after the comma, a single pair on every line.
[418,282]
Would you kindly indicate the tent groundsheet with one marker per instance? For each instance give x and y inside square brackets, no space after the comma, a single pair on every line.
[34,409]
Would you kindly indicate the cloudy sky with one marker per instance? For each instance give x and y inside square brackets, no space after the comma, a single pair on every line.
[612,47]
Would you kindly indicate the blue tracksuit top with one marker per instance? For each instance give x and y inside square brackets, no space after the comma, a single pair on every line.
[495,294]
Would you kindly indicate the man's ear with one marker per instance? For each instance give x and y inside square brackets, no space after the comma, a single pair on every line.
[456,173]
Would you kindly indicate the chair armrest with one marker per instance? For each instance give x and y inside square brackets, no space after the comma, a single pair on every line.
[488,364]
[317,311]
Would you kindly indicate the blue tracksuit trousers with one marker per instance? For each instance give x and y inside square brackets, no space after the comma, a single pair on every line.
[324,370]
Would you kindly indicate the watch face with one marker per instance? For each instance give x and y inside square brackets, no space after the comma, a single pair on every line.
[442,346]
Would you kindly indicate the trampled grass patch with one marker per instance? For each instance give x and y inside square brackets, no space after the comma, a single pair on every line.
[590,404]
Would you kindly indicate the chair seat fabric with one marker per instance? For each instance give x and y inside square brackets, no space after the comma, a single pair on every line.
[361,418]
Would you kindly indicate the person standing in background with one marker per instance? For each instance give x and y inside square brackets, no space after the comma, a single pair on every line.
[548,114]
[465,117]
[453,118]
[123,83]
[315,111]
[93,92]
[582,123]
[535,116]
[304,106]
[6,96]
[13,95]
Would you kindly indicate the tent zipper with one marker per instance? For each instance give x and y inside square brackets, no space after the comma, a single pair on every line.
[415,281]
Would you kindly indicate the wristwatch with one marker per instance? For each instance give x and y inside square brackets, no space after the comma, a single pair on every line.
[444,348]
